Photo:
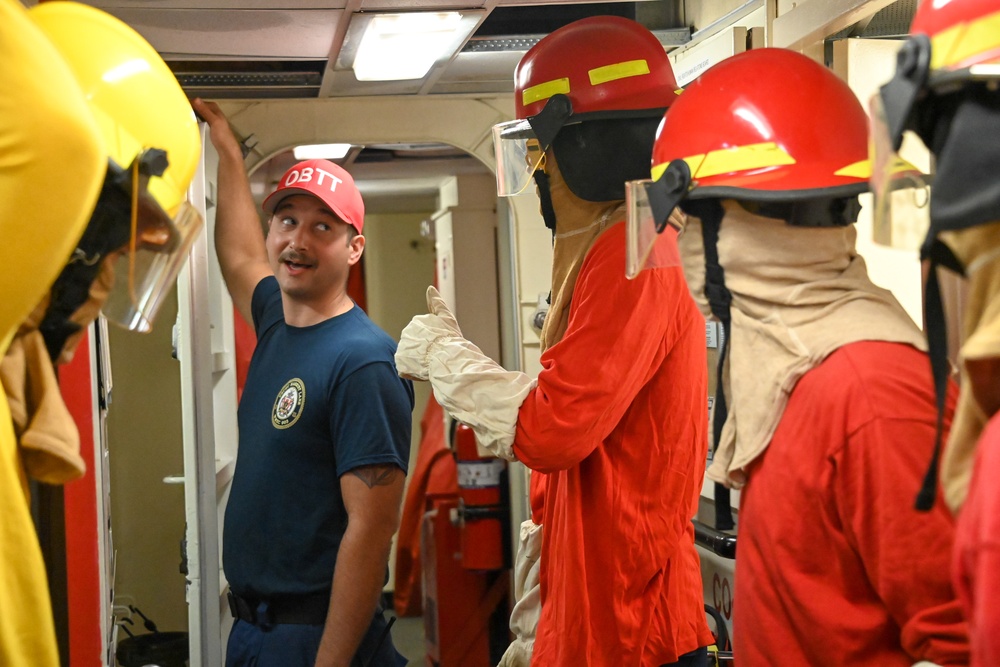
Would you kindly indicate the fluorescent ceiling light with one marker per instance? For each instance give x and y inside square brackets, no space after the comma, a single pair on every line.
[396,47]
[321,151]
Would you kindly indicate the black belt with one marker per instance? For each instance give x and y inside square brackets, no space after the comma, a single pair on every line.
[287,609]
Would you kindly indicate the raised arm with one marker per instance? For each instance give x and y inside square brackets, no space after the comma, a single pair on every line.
[239,242]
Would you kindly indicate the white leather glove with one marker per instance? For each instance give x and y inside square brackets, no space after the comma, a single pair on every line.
[527,592]
[473,388]
[423,331]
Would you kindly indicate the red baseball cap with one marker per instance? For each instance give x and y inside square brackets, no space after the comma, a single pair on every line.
[326,181]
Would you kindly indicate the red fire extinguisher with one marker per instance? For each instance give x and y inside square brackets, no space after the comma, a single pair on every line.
[482,511]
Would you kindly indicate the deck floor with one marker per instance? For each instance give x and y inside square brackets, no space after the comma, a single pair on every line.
[408,636]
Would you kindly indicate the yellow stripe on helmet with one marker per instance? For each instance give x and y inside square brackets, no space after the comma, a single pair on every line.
[658,170]
[901,166]
[860,169]
[863,169]
[742,158]
[617,71]
[729,160]
[544,91]
[958,43]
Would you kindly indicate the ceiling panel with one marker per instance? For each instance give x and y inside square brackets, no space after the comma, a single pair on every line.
[257,49]
[289,48]
[494,68]
[341,83]
[235,33]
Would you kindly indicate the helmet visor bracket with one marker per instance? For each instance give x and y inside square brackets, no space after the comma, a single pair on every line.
[900,94]
[900,190]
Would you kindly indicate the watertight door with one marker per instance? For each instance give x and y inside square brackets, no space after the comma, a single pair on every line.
[206,352]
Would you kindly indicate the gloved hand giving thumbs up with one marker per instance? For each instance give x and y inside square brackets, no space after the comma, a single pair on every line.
[422,332]
[473,388]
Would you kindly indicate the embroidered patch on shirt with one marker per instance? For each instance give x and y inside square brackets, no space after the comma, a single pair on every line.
[288,406]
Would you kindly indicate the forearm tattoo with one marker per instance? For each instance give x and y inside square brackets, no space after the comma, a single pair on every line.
[377,475]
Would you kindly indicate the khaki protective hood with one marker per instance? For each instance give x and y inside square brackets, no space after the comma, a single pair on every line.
[578,225]
[978,248]
[798,294]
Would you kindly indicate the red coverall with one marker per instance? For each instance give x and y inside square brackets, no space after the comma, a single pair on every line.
[618,422]
[835,566]
[977,551]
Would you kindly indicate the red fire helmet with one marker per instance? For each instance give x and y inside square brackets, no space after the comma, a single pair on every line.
[597,68]
[767,124]
[630,71]
[963,33]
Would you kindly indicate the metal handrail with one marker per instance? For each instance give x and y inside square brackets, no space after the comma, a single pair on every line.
[719,543]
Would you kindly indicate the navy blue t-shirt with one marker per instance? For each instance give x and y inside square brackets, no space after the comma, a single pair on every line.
[318,402]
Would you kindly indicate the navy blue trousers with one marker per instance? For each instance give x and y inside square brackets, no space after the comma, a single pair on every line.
[296,646]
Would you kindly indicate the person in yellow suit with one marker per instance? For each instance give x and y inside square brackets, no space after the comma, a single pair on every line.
[97,147]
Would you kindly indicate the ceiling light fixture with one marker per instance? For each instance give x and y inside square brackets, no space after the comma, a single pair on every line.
[321,151]
[403,46]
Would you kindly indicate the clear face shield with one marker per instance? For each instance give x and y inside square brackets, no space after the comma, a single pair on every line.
[146,268]
[643,234]
[519,153]
[520,145]
[901,190]
[653,220]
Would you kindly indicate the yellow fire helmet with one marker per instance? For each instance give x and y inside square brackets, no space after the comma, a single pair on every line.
[153,147]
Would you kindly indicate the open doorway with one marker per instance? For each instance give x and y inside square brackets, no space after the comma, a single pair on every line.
[418,196]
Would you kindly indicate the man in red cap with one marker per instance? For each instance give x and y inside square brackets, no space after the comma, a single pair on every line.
[324,424]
